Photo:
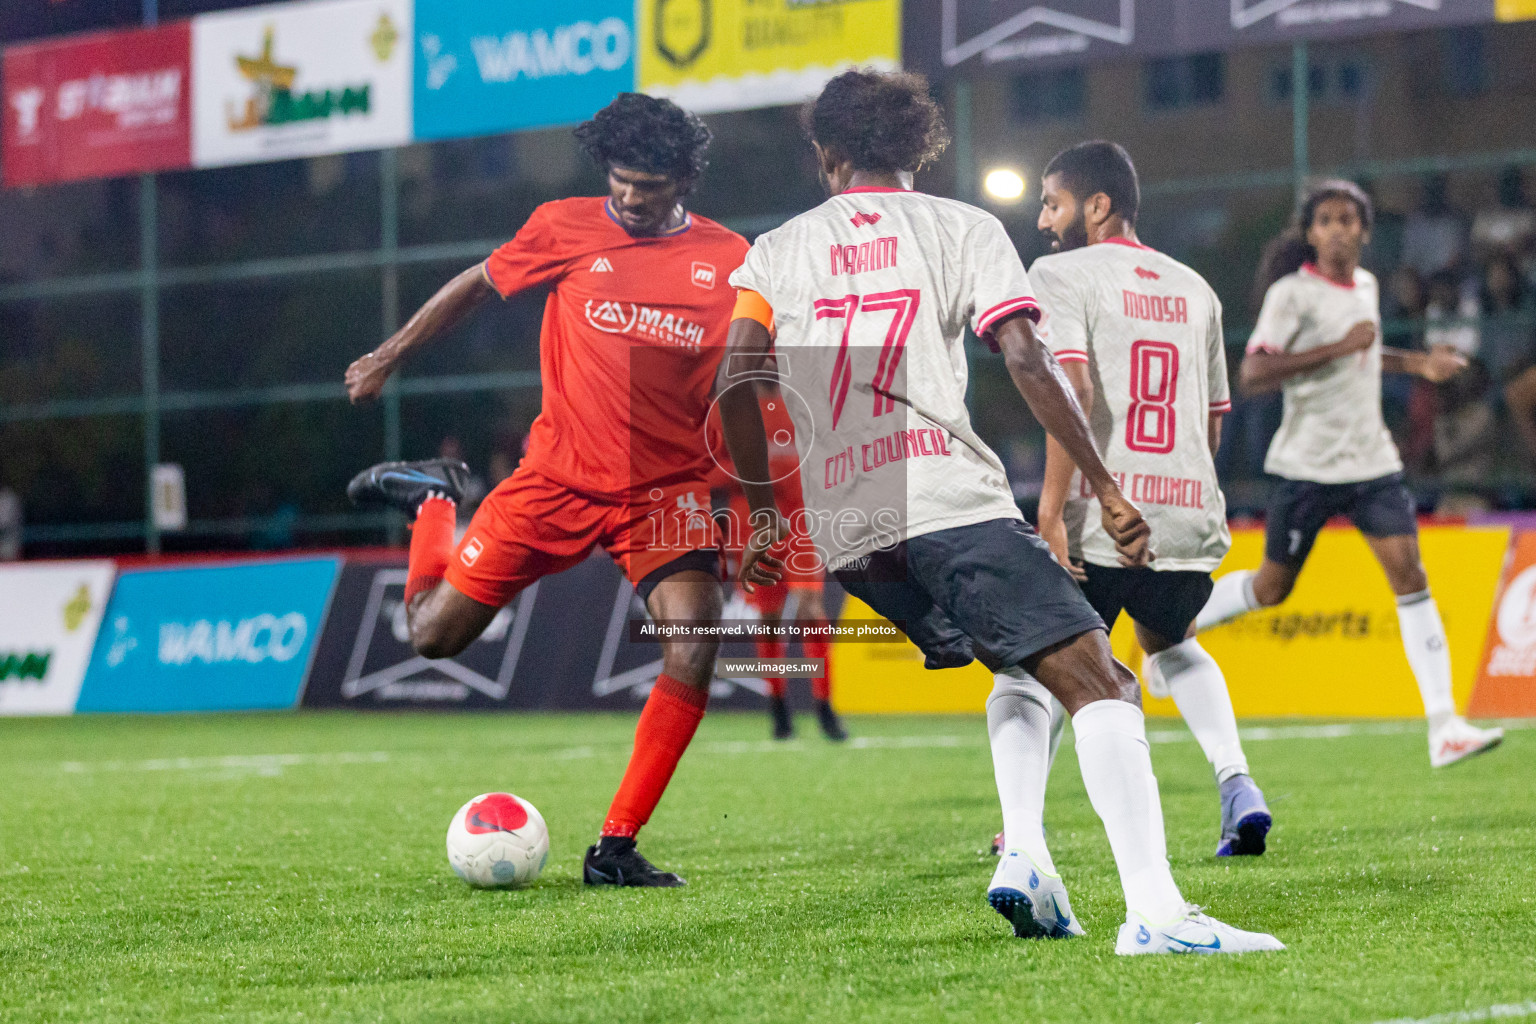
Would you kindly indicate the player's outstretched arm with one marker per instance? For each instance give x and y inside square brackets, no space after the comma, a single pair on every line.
[1058,475]
[1264,370]
[741,421]
[1045,388]
[367,375]
[1439,364]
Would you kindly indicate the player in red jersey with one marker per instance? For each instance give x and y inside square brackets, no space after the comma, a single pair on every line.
[804,575]
[633,331]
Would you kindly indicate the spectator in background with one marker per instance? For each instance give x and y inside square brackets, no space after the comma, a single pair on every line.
[1450,315]
[1507,339]
[1407,402]
[1434,235]
[1505,306]
[1510,226]
[10,524]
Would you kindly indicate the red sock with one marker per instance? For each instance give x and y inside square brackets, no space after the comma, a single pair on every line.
[821,686]
[667,725]
[431,543]
[773,649]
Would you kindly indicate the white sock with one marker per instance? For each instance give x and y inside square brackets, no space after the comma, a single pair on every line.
[1019,726]
[1428,655]
[1195,682]
[1059,719]
[1116,763]
[1232,596]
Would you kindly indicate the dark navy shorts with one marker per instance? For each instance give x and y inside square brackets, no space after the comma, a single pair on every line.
[1164,602]
[1299,508]
[990,591]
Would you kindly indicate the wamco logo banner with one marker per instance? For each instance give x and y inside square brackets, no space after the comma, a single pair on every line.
[229,637]
[486,66]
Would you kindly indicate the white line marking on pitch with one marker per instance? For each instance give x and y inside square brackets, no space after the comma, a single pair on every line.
[258,764]
[1500,1012]
[273,764]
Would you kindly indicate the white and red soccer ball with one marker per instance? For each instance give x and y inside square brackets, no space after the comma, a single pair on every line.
[497,840]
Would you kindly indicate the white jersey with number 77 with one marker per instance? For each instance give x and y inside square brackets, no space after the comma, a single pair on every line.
[1149,330]
[871,294]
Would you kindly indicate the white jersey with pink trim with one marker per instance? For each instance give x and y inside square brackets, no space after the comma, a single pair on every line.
[1149,330]
[871,294]
[1332,431]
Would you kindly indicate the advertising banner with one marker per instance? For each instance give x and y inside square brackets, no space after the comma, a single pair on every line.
[739,54]
[209,638]
[97,105]
[484,66]
[300,79]
[1506,684]
[944,37]
[1332,650]
[561,645]
[49,614]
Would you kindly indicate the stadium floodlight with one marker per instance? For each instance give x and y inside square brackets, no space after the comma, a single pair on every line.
[1004,185]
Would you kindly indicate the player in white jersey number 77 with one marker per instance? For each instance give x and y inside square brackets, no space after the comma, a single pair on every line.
[864,301]
[1319,340]
[1139,336]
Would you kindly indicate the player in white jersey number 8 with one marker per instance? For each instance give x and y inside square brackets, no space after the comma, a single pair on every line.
[1155,407]
[1318,340]
[964,578]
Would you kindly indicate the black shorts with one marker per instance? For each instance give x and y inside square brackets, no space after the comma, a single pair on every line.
[989,591]
[1164,602]
[1299,508]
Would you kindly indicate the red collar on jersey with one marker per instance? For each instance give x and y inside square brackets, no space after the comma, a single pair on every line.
[684,226]
[1117,240]
[873,188]
[1311,268]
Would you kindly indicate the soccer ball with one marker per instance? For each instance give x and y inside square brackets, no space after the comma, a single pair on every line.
[497,840]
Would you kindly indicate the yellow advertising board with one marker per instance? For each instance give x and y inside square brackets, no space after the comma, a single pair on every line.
[1331,651]
[1514,10]
[737,54]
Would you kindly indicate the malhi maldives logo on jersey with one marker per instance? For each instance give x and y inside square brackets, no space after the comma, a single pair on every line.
[644,322]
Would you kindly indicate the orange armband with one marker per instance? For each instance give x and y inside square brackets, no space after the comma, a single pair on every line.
[752,306]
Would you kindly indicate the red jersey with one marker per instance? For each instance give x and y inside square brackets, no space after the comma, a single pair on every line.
[633,332]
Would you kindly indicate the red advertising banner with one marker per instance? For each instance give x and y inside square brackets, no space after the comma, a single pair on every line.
[97,105]
[1506,685]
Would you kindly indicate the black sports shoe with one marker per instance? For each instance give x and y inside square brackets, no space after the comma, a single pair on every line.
[405,485]
[831,725]
[783,722]
[613,860]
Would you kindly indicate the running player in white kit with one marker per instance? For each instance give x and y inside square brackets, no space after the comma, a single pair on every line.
[1139,336]
[865,301]
[1318,339]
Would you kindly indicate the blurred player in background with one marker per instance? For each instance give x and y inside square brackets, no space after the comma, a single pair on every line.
[632,335]
[1139,336]
[870,294]
[1318,340]
[803,584]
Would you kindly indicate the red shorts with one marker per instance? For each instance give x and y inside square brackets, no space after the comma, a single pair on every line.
[530,527]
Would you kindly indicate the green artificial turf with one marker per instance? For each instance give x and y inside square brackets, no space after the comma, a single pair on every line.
[291,868]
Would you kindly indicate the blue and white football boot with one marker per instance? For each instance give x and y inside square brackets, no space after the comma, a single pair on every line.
[1034,901]
[1245,818]
[1192,933]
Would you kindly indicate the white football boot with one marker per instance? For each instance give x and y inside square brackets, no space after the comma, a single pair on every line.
[1459,739]
[1034,901]
[1192,933]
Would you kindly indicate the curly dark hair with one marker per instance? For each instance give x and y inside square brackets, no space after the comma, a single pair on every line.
[882,121]
[645,133]
[1286,253]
